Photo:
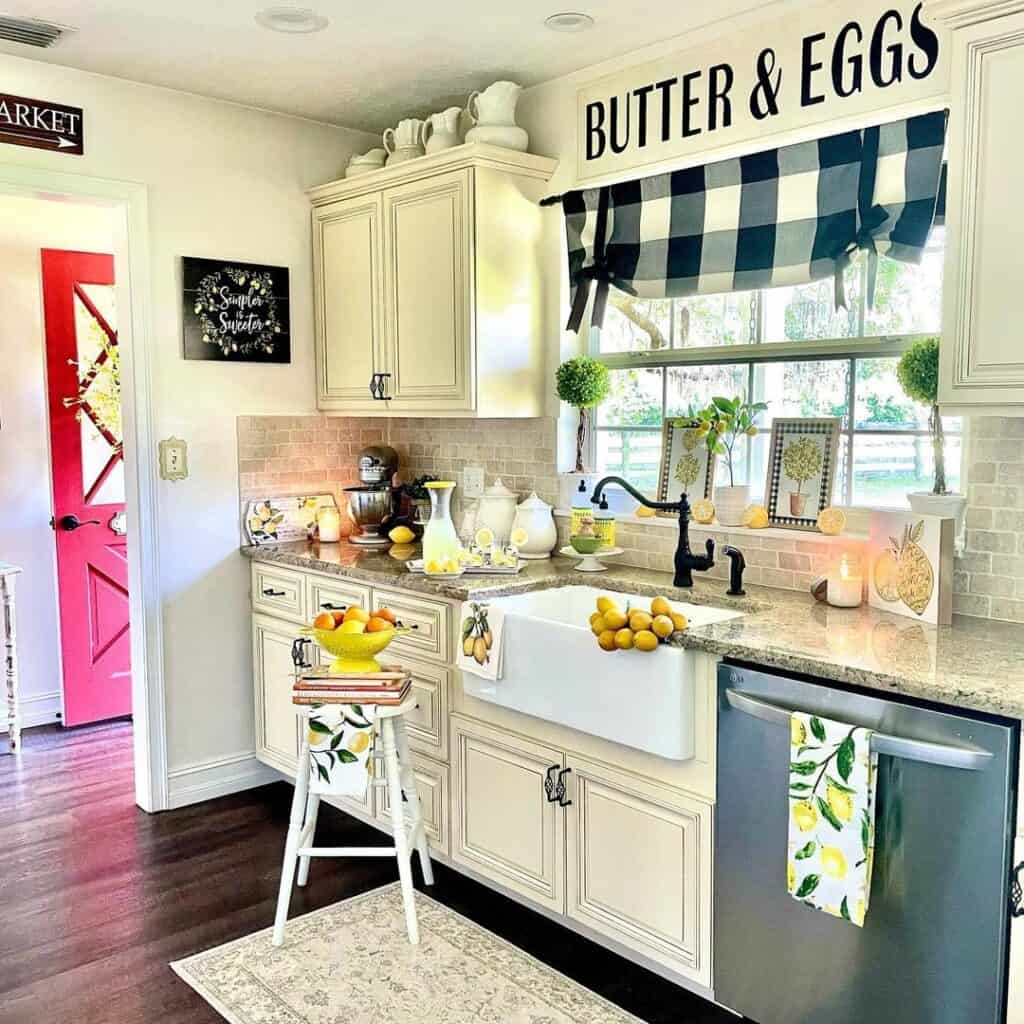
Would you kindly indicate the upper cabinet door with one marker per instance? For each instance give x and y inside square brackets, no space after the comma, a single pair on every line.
[982,359]
[428,252]
[347,277]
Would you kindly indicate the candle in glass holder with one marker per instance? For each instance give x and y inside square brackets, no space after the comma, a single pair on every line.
[328,521]
[845,582]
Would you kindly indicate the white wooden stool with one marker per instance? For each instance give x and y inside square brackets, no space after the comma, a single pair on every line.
[408,830]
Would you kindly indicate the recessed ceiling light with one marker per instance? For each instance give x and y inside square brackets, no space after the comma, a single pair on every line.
[569,21]
[291,19]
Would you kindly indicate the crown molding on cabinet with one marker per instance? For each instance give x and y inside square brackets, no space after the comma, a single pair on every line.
[959,13]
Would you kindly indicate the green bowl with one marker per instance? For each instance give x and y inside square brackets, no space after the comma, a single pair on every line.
[585,545]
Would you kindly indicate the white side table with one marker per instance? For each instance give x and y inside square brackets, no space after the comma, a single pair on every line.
[8,574]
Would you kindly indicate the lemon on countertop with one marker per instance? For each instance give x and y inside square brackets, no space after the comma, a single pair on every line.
[703,511]
[755,517]
[401,535]
[832,521]
[643,512]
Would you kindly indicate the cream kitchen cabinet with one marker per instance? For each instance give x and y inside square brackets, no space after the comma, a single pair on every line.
[639,866]
[981,358]
[504,826]
[432,787]
[277,736]
[430,278]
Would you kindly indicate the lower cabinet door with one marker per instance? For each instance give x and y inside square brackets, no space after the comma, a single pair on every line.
[432,787]
[503,825]
[1015,1012]
[639,867]
[277,734]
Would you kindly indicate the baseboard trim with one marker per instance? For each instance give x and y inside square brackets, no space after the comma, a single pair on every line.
[38,709]
[207,780]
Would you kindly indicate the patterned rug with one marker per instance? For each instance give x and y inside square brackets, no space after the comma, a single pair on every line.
[351,963]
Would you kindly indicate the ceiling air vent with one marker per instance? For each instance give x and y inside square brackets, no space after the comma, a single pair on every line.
[29,31]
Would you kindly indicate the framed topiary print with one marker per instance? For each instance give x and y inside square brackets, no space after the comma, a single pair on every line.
[801,470]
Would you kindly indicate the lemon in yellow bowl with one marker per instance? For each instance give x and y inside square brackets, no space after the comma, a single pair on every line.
[353,652]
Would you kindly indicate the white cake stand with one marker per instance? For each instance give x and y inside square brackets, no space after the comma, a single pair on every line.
[591,563]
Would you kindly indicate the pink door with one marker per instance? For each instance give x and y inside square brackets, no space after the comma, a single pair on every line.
[83,385]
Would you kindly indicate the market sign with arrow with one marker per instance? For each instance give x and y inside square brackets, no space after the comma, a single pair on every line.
[40,124]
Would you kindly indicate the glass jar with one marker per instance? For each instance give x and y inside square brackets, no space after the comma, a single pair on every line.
[440,541]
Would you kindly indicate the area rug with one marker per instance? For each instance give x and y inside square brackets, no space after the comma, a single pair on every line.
[351,963]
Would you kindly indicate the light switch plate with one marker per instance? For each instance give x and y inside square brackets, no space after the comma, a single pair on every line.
[472,481]
[173,459]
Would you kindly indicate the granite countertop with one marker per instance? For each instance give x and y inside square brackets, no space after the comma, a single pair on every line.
[976,664]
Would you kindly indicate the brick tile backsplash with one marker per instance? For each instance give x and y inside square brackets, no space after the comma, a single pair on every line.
[298,454]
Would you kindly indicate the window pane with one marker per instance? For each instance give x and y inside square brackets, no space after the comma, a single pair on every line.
[807,312]
[908,297]
[885,469]
[715,320]
[634,399]
[693,387]
[806,388]
[881,402]
[634,455]
[635,325]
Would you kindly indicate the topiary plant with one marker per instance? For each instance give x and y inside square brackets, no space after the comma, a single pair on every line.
[583,383]
[918,374]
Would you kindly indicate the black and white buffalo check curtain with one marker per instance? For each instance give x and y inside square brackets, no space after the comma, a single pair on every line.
[782,217]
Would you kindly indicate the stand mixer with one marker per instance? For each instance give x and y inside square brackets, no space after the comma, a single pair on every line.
[372,502]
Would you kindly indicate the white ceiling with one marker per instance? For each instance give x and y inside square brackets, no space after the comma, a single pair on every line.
[375,62]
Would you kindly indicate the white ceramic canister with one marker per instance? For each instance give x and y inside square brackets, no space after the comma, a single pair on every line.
[496,510]
[534,515]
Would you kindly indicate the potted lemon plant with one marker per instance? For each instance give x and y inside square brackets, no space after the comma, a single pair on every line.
[918,374]
[724,422]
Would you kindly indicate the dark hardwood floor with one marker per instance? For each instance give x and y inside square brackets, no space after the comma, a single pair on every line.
[98,897]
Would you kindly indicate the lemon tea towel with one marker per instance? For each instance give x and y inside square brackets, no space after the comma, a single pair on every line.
[341,739]
[480,640]
[831,816]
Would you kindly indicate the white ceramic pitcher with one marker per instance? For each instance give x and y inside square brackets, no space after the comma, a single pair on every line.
[404,142]
[493,112]
[441,130]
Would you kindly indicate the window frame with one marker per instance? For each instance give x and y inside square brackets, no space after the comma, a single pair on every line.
[760,352]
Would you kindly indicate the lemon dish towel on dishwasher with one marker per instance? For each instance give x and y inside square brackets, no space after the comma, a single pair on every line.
[341,741]
[831,816]
[480,640]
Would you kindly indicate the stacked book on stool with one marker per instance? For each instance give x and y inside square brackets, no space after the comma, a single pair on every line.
[386,688]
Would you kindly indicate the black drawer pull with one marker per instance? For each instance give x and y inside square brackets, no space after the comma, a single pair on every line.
[560,791]
[1017,891]
[299,659]
[271,592]
[329,607]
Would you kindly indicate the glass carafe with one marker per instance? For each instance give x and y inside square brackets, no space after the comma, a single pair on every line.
[440,541]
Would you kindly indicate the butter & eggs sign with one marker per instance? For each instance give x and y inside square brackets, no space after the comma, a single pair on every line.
[835,61]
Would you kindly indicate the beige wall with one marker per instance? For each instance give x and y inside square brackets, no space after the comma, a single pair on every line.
[223,181]
[26,226]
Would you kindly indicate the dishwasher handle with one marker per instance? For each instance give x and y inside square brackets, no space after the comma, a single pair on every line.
[941,754]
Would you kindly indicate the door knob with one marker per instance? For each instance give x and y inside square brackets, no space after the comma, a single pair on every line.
[72,522]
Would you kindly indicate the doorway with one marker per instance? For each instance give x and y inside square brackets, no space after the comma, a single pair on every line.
[83,381]
[102,575]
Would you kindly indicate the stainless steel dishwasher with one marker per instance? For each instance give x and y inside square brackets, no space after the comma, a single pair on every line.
[934,946]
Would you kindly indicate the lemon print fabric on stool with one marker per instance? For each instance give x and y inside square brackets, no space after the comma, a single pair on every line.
[341,738]
[830,851]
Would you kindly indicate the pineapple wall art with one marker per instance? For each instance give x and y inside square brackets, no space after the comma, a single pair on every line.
[910,560]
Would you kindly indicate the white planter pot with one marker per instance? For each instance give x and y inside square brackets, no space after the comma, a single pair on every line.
[948,506]
[568,486]
[731,503]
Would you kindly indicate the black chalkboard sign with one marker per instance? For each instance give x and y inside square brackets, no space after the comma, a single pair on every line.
[235,312]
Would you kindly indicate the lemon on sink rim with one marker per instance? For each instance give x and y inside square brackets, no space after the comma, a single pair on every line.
[645,640]
[660,606]
[606,604]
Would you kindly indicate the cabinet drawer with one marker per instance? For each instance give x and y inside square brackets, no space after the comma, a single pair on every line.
[430,638]
[639,867]
[432,787]
[427,726]
[327,594]
[277,591]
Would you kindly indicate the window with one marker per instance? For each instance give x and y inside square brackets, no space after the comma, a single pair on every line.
[791,348]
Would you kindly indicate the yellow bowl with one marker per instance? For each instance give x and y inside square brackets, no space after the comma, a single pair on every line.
[353,652]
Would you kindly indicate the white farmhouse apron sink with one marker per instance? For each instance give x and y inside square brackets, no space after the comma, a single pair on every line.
[554,670]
